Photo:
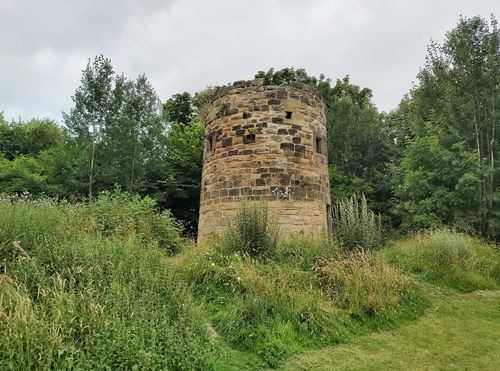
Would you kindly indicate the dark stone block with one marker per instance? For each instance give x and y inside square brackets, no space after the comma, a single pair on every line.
[247,115]
[227,142]
[240,132]
[246,191]
[266,175]
[249,138]
[262,170]
[281,94]
[223,193]
[260,182]
[292,131]
[234,192]
[230,111]
[274,101]
[282,132]
[236,127]
[277,120]
[233,152]
[256,108]
[285,181]
[223,155]
[296,140]
[287,146]
[298,154]
[248,126]
[246,152]
[300,148]
[262,125]
[275,170]
[296,127]
[264,108]
[227,184]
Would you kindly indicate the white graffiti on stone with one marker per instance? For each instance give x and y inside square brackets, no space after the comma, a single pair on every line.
[286,194]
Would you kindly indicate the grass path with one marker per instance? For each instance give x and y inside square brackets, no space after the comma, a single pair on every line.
[461,332]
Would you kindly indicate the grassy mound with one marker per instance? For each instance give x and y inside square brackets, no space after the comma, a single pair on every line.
[298,300]
[447,258]
[87,287]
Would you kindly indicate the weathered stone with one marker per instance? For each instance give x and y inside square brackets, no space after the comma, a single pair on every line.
[249,138]
[227,141]
[230,111]
[287,146]
[234,192]
[257,149]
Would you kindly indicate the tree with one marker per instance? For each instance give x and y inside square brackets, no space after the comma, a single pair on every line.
[95,106]
[119,122]
[453,113]
[179,108]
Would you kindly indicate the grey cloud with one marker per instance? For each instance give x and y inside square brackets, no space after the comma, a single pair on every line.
[188,45]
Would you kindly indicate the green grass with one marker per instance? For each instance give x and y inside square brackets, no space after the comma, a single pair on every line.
[460,332]
[84,288]
[447,258]
[275,308]
[97,286]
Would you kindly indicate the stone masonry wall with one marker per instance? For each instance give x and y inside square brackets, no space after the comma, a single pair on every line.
[265,142]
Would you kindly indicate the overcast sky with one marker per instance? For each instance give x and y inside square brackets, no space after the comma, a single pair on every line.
[190,44]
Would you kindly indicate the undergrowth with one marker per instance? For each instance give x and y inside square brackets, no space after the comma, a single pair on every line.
[88,287]
[448,258]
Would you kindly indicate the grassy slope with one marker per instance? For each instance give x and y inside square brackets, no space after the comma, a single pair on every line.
[462,331]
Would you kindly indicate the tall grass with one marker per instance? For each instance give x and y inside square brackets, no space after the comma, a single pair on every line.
[355,225]
[300,299]
[448,258]
[84,289]
[252,233]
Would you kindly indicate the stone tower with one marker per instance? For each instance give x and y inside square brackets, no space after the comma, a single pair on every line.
[270,142]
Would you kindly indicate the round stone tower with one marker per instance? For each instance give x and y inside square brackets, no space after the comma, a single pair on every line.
[266,142]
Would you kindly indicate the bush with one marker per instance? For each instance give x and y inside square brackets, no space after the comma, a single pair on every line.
[363,284]
[252,233]
[355,225]
[448,258]
[74,297]
[306,253]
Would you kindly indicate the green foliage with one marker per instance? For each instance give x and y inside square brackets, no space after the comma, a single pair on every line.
[179,108]
[174,182]
[446,133]
[363,283]
[79,292]
[306,297]
[450,259]
[252,232]
[118,125]
[355,225]
[305,253]
[28,138]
